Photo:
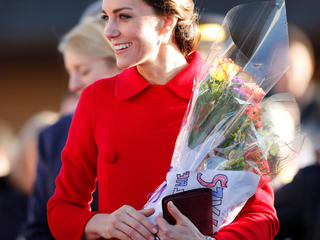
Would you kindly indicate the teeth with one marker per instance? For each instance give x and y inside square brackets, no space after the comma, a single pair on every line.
[122,46]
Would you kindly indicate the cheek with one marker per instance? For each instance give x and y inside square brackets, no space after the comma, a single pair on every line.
[99,71]
[144,34]
[94,76]
[148,43]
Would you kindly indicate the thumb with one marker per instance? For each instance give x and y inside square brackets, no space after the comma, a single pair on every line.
[176,214]
[147,212]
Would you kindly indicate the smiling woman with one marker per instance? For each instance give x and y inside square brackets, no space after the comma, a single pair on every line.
[125,127]
[145,34]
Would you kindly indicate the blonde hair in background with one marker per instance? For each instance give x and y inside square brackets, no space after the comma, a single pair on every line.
[7,141]
[25,157]
[88,33]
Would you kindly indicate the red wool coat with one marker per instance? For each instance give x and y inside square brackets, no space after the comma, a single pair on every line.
[123,134]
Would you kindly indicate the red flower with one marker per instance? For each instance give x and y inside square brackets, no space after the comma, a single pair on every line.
[255,155]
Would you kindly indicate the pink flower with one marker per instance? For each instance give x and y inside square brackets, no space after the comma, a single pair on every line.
[253,92]
[258,124]
[253,112]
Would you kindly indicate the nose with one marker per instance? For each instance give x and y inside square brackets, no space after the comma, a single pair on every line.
[111,29]
[75,84]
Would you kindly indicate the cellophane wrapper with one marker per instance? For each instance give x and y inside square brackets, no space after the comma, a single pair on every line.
[228,140]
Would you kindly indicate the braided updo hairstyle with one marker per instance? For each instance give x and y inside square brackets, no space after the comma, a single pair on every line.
[186,32]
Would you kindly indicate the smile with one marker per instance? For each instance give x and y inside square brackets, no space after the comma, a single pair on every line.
[121,46]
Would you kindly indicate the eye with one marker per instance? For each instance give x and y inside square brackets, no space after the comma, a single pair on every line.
[104,17]
[85,72]
[124,16]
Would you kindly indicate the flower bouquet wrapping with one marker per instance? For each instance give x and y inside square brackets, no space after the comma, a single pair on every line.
[227,142]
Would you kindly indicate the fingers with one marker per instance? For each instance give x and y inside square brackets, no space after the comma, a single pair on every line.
[166,230]
[126,223]
[147,212]
[184,229]
[141,216]
[176,214]
[130,229]
[115,233]
[134,225]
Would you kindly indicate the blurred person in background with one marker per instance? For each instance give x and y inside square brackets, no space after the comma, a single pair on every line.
[25,155]
[297,201]
[19,182]
[298,204]
[7,140]
[299,81]
[12,201]
[68,103]
[87,57]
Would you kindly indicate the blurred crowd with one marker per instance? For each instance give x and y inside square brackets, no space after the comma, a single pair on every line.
[297,190]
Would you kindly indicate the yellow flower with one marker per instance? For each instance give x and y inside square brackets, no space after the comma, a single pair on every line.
[223,69]
[219,74]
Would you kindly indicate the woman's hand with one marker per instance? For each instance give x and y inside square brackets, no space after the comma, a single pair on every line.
[183,230]
[126,223]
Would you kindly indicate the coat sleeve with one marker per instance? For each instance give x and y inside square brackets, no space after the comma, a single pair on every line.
[69,208]
[257,219]
[37,225]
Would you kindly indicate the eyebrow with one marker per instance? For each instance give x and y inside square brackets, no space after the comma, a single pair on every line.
[119,9]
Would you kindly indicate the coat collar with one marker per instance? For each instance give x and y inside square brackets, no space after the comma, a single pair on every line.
[130,83]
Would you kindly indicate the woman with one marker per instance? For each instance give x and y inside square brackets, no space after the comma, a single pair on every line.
[124,132]
[88,57]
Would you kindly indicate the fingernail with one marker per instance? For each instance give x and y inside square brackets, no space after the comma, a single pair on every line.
[155,230]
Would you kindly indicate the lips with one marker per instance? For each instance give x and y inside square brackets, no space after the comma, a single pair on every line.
[122,46]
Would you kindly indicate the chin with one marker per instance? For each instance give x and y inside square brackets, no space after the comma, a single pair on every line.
[124,65]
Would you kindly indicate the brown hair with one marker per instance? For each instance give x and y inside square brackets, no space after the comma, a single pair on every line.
[187,33]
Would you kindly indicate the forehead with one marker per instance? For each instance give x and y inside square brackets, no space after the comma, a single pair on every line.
[134,5]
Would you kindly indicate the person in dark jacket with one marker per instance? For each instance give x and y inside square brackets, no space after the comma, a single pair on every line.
[50,144]
[298,205]
[18,174]
[13,202]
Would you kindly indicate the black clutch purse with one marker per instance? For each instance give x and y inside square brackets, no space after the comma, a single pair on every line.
[195,204]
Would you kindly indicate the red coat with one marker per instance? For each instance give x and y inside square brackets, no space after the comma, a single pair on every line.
[123,134]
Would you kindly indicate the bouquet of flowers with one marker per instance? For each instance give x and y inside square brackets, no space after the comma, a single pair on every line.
[227,141]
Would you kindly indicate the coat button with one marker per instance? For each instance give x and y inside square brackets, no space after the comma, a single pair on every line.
[110,157]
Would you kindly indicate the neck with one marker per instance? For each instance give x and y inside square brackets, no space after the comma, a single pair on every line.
[169,62]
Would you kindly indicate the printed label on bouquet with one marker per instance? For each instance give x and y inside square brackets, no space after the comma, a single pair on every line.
[230,190]
[181,182]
